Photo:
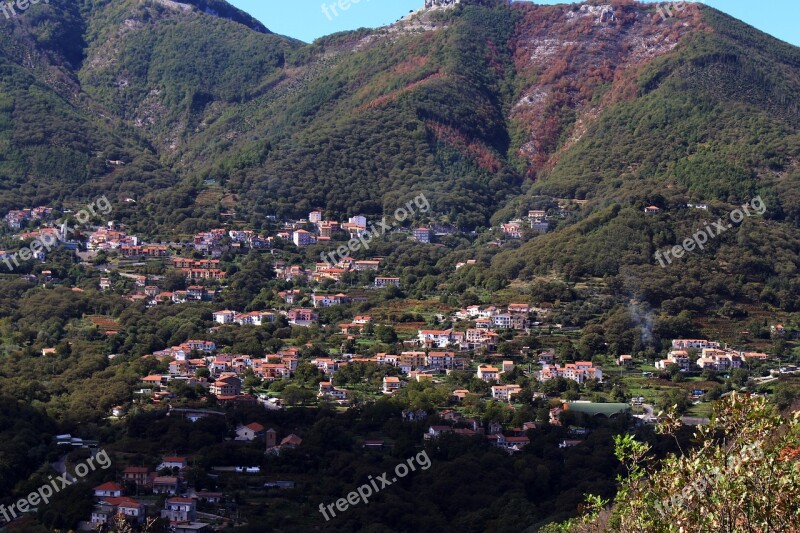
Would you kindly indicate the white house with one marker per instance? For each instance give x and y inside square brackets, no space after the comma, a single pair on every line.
[358,221]
[675,357]
[179,509]
[302,238]
[698,344]
[256,318]
[250,432]
[505,392]
[502,321]
[173,462]
[327,390]
[435,338]
[224,317]
[110,507]
[109,489]
[391,384]
[580,372]
[488,373]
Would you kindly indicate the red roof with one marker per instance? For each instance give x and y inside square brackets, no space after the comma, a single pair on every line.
[123,501]
[292,439]
[178,499]
[109,486]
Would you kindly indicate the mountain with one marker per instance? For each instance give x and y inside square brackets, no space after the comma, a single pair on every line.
[83,83]
[488,108]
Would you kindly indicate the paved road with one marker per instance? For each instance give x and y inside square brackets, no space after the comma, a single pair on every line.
[61,467]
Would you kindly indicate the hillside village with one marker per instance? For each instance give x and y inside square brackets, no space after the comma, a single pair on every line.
[445,369]
[223,376]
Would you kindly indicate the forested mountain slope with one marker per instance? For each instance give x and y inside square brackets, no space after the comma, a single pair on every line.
[481,107]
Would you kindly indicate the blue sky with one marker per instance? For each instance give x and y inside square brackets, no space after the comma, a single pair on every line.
[306,20]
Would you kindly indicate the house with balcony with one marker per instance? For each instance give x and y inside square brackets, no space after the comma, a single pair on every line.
[505,393]
[327,228]
[302,317]
[368,264]
[580,372]
[166,485]
[435,338]
[675,357]
[200,345]
[138,475]
[302,238]
[224,317]
[478,338]
[523,309]
[441,360]
[423,235]
[718,360]
[254,318]
[328,300]
[226,386]
[327,390]
[488,373]
[179,509]
[173,462]
[391,384]
[108,508]
[512,230]
[502,321]
[196,293]
[697,344]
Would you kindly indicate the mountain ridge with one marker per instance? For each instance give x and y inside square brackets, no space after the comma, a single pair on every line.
[499,98]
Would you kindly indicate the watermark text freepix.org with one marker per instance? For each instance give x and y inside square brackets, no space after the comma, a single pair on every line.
[366,237]
[21,5]
[47,240]
[344,5]
[715,229]
[666,11]
[367,490]
[708,481]
[43,494]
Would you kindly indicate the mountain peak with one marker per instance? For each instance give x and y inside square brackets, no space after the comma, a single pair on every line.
[217,8]
[452,3]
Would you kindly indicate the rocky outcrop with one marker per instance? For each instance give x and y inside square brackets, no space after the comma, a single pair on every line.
[440,3]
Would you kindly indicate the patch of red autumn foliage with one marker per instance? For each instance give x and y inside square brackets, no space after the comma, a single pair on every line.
[483,156]
[394,95]
[583,61]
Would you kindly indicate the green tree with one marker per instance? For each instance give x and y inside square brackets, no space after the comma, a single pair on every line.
[294,395]
[674,398]
[742,475]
